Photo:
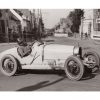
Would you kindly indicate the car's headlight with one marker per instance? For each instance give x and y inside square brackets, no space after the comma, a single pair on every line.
[76,50]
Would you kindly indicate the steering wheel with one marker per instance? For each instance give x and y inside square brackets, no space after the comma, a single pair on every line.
[32,44]
[39,43]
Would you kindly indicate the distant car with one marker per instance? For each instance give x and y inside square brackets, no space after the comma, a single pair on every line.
[51,56]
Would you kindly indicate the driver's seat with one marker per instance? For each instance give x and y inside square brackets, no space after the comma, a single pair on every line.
[24,51]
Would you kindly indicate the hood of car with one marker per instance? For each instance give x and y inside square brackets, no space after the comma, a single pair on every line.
[59,48]
[56,51]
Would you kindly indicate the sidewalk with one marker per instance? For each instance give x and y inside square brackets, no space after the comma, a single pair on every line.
[5,44]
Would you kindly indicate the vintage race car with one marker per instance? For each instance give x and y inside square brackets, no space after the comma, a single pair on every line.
[51,56]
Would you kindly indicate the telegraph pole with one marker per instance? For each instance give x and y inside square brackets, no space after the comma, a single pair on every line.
[38,26]
[82,27]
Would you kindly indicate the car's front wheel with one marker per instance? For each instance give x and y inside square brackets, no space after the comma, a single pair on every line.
[74,68]
[8,65]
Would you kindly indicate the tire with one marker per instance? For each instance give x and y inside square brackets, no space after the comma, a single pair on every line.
[75,70]
[95,58]
[8,65]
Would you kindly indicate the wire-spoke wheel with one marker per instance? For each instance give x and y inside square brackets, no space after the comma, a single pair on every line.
[74,68]
[8,65]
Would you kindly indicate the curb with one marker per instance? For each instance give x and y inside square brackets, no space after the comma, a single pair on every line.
[5,44]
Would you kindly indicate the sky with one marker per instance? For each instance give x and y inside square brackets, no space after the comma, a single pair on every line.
[52,16]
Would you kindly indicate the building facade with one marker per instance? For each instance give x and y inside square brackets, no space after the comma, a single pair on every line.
[10,26]
[90,23]
[15,23]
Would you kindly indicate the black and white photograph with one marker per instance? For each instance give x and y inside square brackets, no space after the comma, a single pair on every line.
[49,50]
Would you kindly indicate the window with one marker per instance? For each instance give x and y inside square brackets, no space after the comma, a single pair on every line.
[98,13]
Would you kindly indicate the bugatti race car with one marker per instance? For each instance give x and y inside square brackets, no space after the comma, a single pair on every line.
[49,56]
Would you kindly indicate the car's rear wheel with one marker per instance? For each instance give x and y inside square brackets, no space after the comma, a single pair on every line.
[8,65]
[74,68]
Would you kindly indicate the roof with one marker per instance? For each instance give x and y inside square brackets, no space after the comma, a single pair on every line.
[16,15]
[26,13]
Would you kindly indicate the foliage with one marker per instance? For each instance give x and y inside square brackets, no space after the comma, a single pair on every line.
[68,22]
[38,29]
[75,16]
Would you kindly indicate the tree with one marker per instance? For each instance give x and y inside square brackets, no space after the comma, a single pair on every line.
[75,17]
[41,26]
[68,22]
